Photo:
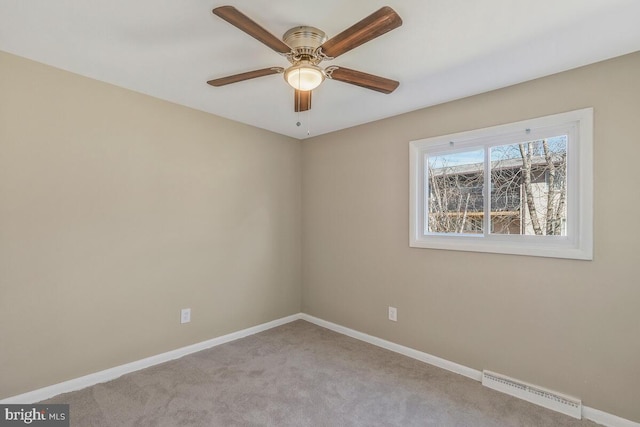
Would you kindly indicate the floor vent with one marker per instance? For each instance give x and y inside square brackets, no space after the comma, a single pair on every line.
[534,394]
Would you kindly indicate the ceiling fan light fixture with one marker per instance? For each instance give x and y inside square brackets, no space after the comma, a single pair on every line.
[304,76]
[305,47]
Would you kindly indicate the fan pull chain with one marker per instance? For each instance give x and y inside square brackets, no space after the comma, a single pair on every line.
[298,100]
[298,123]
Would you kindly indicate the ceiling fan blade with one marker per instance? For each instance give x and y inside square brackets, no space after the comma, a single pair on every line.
[245,76]
[236,18]
[374,25]
[358,78]
[302,100]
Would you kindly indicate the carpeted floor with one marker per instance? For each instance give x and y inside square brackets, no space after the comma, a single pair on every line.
[300,374]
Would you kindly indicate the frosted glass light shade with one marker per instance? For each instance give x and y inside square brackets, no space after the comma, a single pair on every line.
[304,76]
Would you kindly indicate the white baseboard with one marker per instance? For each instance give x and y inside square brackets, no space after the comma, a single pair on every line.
[595,415]
[414,354]
[118,371]
[606,419]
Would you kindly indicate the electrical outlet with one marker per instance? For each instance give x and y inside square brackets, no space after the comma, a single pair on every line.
[185,315]
[393,314]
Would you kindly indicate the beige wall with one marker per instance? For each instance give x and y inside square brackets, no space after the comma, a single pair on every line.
[571,326]
[117,210]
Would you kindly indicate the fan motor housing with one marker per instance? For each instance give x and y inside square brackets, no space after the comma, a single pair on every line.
[304,41]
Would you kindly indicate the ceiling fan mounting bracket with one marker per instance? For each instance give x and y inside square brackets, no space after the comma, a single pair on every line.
[304,42]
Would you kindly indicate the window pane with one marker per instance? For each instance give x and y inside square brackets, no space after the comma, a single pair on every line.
[454,184]
[528,187]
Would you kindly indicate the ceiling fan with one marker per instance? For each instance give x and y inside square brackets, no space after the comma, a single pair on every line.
[305,47]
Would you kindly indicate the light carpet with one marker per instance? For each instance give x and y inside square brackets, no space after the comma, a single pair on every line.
[300,374]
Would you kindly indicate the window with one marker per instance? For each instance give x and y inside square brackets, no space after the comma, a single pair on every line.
[523,188]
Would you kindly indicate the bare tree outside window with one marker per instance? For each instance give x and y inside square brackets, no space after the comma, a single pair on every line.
[528,189]
[522,188]
[456,201]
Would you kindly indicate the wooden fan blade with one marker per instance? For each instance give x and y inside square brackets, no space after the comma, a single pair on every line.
[374,25]
[245,76]
[358,78]
[236,18]
[302,100]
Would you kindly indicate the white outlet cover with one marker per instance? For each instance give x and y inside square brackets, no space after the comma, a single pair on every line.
[185,315]
[393,314]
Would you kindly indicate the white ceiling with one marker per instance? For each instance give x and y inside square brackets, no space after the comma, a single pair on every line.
[445,49]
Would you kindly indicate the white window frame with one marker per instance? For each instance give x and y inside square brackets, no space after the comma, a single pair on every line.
[577,244]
